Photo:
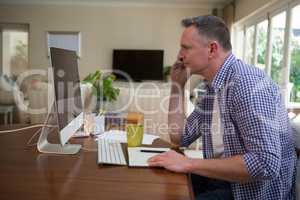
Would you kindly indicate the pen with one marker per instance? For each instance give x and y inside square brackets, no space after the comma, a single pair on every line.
[152,151]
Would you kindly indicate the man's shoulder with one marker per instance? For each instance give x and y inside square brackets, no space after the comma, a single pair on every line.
[241,69]
[245,78]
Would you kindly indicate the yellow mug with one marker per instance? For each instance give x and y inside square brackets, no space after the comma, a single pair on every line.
[135,133]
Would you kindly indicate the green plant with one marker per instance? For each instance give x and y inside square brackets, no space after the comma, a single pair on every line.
[102,86]
[167,71]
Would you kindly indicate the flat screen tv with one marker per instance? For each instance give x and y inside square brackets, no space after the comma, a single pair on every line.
[139,64]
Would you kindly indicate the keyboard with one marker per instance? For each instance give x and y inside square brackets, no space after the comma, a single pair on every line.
[110,152]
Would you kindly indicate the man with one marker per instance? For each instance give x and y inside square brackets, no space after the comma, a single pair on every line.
[255,158]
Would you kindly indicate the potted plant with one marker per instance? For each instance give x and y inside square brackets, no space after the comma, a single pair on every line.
[167,72]
[102,87]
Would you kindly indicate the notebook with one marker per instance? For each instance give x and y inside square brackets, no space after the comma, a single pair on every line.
[138,156]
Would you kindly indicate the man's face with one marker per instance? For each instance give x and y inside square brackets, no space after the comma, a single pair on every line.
[194,51]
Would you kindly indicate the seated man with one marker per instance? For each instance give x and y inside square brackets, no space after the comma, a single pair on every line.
[247,139]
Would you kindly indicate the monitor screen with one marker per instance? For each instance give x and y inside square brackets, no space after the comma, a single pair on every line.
[66,85]
[139,64]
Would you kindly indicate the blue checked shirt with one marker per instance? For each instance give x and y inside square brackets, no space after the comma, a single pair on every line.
[255,125]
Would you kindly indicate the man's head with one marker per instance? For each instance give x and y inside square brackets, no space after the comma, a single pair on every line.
[211,28]
[204,42]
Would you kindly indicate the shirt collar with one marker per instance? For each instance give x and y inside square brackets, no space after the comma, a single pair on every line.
[221,75]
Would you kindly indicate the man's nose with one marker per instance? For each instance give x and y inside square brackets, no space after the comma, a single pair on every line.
[180,57]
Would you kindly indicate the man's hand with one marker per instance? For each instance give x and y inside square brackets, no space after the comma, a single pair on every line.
[179,73]
[170,160]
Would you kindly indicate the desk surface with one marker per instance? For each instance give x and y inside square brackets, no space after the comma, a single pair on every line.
[27,174]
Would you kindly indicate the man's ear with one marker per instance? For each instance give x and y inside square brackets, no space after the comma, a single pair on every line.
[213,49]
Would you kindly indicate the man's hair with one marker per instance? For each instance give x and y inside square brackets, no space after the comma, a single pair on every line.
[211,27]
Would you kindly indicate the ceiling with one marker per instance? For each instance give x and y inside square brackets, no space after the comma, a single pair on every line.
[163,3]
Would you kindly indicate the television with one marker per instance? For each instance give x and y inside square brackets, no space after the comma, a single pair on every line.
[138,64]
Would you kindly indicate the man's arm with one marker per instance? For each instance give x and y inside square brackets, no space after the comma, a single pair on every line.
[176,116]
[229,169]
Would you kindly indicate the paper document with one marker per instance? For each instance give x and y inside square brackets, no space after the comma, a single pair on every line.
[138,156]
[120,136]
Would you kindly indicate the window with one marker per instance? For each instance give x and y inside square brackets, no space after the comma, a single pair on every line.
[295,55]
[249,45]
[262,31]
[238,42]
[272,43]
[14,49]
[278,28]
[64,40]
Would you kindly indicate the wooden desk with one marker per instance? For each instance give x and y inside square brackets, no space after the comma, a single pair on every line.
[27,174]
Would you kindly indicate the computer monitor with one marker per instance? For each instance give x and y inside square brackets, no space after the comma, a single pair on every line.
[67,106]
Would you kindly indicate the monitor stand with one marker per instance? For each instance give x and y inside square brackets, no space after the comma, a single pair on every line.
[44,146]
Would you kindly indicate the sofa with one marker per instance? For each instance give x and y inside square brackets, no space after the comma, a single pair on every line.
[11,95]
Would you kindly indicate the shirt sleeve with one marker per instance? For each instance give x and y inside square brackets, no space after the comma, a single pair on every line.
[192,128]
[258,109]
[198,122]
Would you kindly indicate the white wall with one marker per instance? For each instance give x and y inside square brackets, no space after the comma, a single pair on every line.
[102,29]
[5,59]
[244,8]
[1,47]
